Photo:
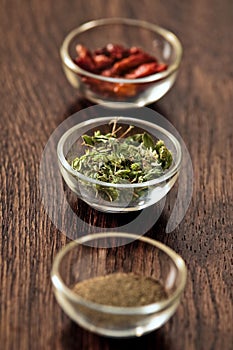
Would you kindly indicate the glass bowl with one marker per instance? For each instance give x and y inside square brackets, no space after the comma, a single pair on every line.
[97,256]
[151,38]
[127,196]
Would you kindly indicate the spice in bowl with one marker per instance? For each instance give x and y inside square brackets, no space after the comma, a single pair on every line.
[120,158]
[117,61]
[121,289]
[118,284]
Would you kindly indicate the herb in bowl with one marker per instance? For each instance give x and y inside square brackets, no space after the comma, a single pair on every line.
[120,158]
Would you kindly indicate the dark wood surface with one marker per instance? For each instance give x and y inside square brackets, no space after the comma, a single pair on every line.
[35,98]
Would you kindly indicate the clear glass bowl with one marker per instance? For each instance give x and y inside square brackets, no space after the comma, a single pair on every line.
[151,38]
[88,189]
[107,253]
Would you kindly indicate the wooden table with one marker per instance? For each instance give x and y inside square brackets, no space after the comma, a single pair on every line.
[36,97]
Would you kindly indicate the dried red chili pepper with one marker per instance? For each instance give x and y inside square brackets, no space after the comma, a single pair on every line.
[145,69]
[111,89]
[102,62]
[125,90]
[129,63]
[161,67]
[117,61]
[134,49]
[117,52]
[85,59]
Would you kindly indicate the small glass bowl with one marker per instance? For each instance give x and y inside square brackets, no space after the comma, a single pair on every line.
[151,38]
[97,255]
[88,189]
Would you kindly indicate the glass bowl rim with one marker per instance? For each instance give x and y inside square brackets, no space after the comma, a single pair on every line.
[165,33]
[117,310]
[170,172]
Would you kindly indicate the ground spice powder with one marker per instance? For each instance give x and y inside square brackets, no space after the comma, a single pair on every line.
[121,289]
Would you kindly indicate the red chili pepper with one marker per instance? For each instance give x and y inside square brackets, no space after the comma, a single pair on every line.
[117,61]
[102,62]
[145,69]
[129,63]
[85,59]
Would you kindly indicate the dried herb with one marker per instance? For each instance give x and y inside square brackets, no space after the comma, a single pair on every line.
[121,289]
[122,160]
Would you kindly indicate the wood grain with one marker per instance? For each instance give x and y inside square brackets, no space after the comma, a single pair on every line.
[35,98]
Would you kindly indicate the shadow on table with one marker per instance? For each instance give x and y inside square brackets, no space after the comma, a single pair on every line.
[76,106]
[151,221]
[74,337]
[81,103]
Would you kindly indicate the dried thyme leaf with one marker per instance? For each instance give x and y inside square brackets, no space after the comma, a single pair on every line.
[148,141]
[88,140]
[165,156]
[117,160]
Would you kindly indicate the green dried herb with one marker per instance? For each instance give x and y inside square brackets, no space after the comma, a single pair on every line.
[119,159]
